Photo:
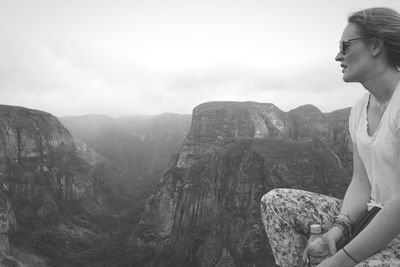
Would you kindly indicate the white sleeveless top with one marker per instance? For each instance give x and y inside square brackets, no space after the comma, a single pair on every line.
[380,153]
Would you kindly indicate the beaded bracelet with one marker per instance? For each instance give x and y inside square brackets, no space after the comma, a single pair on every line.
[344,230]
[345,226]
[344,223]
[344,217]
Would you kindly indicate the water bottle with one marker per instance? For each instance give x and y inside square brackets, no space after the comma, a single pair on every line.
[317,248]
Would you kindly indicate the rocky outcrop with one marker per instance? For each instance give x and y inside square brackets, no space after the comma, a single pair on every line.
[210,212]
[215,123]
[31,133]
[36,153]
[40,175]
[239,120]
[205,211]
[330,128]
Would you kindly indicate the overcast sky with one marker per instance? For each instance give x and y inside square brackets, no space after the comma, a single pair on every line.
[123,57]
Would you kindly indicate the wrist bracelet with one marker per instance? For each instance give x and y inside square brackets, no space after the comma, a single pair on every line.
[344,230]
[344,226]
[344,223]
[349,256]
[345,218]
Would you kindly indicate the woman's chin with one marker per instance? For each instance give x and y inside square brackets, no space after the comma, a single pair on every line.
[347,78]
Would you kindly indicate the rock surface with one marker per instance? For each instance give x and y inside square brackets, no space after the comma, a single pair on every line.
[40,175]
[37,152]
[205,211]
[214,122]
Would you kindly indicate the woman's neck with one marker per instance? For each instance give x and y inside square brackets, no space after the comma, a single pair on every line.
[383,87]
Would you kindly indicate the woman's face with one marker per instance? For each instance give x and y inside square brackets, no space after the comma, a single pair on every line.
[355,57]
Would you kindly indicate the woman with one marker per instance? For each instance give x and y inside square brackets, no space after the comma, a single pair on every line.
[369,54]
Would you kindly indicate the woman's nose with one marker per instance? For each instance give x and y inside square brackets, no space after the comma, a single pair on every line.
[339,56]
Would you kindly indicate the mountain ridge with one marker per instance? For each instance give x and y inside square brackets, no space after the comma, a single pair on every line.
[205,211]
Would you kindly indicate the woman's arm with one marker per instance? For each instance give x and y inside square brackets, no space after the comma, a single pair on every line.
[383,228]
[358,193]
[355,201]
[379,232]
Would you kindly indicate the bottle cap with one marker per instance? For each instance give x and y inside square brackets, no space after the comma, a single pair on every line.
[316,228]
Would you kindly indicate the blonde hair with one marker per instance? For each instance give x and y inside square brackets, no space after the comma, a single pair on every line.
[382,23]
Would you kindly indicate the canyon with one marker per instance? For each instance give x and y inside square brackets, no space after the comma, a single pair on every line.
[165,190]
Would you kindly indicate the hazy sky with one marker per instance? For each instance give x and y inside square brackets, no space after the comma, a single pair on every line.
[127,57]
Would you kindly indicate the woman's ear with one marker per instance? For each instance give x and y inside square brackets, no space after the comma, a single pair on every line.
[377,47]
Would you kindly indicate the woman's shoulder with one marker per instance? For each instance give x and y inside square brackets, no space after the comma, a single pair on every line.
[355,116]
[359,106]
[361,101]
[394,111]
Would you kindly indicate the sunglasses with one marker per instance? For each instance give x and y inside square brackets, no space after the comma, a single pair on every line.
[345,44]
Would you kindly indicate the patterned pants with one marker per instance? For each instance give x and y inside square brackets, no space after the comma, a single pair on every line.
[287,215]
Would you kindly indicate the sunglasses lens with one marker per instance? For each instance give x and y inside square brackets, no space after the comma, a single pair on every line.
[343,47]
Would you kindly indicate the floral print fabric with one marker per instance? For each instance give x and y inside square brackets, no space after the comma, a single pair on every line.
[287,215]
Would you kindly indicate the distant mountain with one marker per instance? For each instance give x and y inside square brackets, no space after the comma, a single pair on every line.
[330,128]
[215,123]
[206,210]
[136,148]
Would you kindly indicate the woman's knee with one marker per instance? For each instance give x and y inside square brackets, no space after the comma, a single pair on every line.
[278,195]
[292,205]
[276,198]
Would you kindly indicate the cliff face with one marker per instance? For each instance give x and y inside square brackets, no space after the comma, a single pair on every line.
[235,120]
[37,152]
[205,211]
[31,133]
[330,128]
[40,175]
[215,122]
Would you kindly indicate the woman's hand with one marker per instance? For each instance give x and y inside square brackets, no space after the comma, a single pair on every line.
[333,238]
